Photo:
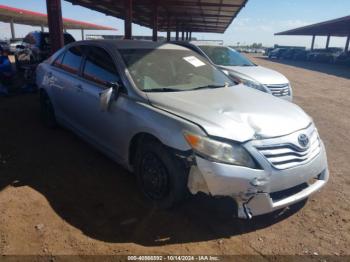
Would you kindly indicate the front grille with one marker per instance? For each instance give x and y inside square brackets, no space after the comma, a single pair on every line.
[279,90]
[288,155]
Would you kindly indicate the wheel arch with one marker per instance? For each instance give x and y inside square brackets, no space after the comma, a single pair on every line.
[136,141]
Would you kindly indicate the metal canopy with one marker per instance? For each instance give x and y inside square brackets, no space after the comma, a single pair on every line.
[337,27]
[173,15]
[20,16]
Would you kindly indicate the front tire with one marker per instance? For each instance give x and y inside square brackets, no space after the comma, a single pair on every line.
[47,111]
[161,176]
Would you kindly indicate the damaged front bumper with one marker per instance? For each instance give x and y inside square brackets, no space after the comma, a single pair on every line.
[259,191]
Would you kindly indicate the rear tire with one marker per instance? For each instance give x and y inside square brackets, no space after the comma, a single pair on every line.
[47,111]
[160,175]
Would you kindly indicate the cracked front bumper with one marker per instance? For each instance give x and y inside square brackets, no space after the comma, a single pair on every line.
[259,191]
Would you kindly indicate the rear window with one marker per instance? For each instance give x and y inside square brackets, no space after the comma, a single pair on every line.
[99,67]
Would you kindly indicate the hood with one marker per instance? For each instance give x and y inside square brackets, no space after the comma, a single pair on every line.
[236,113]
[260,74]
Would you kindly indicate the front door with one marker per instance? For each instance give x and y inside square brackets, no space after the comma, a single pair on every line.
[104,128]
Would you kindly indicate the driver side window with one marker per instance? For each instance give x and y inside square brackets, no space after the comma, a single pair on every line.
[100,68]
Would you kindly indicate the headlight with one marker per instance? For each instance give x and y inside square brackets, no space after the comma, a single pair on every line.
[218,151]
[255,85]
[251,84]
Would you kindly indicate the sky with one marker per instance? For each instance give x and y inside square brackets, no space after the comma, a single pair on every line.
[256,23]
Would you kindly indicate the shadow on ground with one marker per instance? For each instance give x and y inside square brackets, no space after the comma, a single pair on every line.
[97,196]
[330,69]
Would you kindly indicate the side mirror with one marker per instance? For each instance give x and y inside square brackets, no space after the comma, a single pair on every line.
[108,95]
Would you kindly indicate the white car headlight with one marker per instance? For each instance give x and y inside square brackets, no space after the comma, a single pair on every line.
[218,151]
[255,85]
[250,83]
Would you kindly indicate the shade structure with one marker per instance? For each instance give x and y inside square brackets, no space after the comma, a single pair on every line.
[21,16]
[184,15]
[337,27]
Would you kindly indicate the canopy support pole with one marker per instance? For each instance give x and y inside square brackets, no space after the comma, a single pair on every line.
[183,35]
[155,22]
[42,28]
[313,42]
[168,33]
[13,33]
[177,32]
[190,36]
[82,34]
[328,40]
[128,19]
[347,44]
[54,17]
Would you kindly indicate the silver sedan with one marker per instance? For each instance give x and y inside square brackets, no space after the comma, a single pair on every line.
[182,126]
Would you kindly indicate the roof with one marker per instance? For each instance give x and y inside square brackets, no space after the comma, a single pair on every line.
[336,27]
[190,15]
[26,17]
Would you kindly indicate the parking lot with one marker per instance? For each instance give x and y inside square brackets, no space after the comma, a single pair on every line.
[58,195]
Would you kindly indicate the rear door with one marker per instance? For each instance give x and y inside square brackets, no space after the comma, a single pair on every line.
[66,85]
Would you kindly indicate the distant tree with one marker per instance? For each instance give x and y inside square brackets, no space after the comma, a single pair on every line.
[256,45]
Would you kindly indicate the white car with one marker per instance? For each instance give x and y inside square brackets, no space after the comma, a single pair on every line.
[13,47]
[242,70]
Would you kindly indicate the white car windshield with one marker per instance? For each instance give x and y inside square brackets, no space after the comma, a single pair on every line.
[225,56]
[170,70]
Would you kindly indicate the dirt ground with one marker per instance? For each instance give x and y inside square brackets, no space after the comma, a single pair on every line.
[60,196]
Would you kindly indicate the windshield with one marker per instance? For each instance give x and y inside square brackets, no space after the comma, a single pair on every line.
[225,56]
[166,70]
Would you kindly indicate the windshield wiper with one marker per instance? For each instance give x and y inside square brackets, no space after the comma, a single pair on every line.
[211,86]
[164,89]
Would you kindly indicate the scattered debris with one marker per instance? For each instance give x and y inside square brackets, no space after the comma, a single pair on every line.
[164,239]
[39,227]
